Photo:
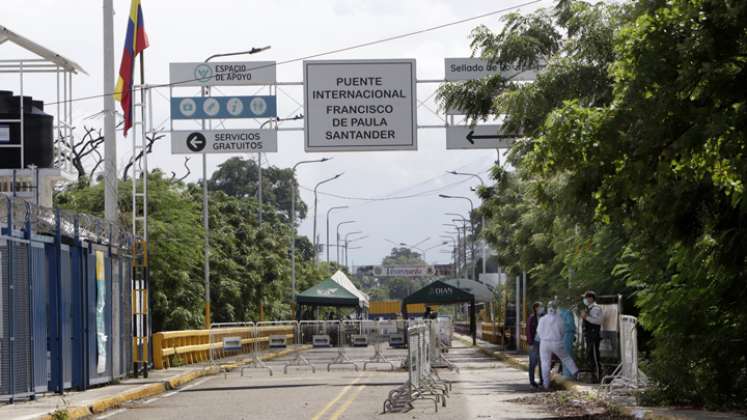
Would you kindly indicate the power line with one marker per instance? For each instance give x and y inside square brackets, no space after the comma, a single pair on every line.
[330,52]
[391,198]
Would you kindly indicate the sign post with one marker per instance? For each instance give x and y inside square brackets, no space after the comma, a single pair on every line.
[360,105]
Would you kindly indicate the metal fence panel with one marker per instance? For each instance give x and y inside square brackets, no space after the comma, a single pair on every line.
[5,362]
[39,285]
[21,346]
[66,313]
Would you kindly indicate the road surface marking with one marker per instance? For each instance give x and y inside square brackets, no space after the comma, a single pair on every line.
[334,401]
[151,400]
[113,413]
[347,403]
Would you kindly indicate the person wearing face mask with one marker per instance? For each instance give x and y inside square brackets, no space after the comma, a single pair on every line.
[569,335]
[550,331]
[593,316]
[533,343]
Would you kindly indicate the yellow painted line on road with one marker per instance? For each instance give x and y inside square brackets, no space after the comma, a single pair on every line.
[347,403]
[337,398]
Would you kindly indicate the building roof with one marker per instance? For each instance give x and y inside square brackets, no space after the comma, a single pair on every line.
[340,278]
[439,292]
[6,35]
[328,293]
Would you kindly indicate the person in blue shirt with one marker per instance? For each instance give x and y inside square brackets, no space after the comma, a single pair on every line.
[569,335]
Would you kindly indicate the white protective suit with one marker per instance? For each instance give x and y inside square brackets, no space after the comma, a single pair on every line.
[550,332]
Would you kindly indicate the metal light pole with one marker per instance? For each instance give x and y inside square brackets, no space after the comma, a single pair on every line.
[110,135]
[338,238]
[293,219]
[331,209]
[482,219]
[316,201]
[205,215]
[346,242]
[472,225]
[458,262]
[259,163]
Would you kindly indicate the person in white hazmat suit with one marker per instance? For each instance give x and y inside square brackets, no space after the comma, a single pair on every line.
[550,331]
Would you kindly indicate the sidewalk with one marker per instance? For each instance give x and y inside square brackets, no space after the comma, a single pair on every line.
[521,361]
[97,400]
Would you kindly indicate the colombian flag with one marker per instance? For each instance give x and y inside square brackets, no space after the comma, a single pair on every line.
[135,42]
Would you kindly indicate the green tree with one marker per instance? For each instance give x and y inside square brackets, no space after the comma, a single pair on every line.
[633,169]
[239,177]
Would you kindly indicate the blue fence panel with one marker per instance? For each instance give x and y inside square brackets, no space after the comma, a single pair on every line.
[5,361]
[79,277]
[62,324]
[38,287]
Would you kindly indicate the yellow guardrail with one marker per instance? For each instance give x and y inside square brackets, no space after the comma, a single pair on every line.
[173,348]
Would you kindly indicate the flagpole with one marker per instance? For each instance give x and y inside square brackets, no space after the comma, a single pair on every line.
[146,280]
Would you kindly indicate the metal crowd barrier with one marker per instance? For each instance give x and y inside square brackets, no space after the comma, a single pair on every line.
[626,375]
[423,382]
[378,332]
[347,332]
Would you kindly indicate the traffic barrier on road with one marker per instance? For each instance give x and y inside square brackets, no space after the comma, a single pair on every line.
[175,348]
[270,328]
[379,333]
[423,382]
[346,330]
[304,329]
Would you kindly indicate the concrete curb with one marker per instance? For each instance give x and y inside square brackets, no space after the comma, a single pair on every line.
[156,388]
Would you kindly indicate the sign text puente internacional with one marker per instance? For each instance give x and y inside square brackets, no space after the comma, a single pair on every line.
[353,105]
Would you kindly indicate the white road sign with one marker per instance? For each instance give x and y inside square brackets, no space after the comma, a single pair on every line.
[237,73]
[360,105]
[223,141]
[478,137]
[403,271]
[476,68]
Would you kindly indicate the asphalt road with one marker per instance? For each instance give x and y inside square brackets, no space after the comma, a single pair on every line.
[481,389]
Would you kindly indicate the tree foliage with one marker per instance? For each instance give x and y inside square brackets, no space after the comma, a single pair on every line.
[632,171]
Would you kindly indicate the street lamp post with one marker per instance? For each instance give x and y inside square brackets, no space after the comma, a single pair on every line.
[293,219]
[259,163]
[346,242]
[316,201]
[338,238]
[472,225]
[482,220]
[331,209]
[205,215]
[458,262]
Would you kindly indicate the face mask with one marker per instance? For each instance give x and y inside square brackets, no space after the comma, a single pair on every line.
[586,302]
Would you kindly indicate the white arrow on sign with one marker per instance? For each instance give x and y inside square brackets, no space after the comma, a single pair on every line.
[478,137]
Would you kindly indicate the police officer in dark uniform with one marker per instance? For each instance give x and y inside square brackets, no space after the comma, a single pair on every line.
[593,316]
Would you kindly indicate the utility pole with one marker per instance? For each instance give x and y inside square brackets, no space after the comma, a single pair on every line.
[110,135]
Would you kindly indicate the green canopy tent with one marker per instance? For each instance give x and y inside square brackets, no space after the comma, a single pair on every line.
[326,293]
[440,293]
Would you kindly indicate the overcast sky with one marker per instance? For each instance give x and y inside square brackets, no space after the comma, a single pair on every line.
[191,30]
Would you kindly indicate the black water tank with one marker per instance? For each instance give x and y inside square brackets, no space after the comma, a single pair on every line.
[38,133]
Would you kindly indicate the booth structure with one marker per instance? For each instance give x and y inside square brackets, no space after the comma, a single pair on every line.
[442,293]
[337,292]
